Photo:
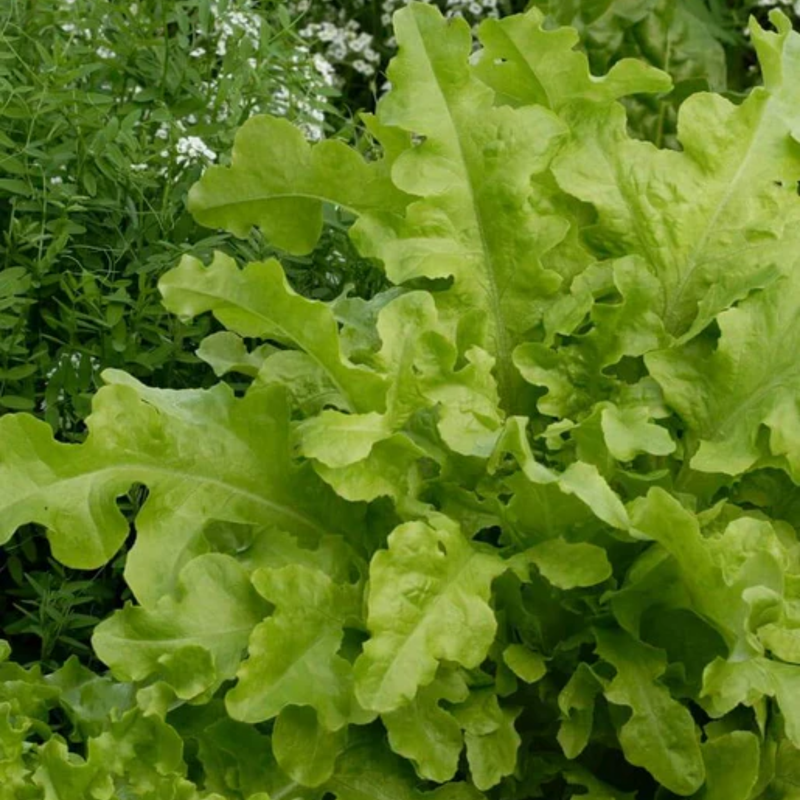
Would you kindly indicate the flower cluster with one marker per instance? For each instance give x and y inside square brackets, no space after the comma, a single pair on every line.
[337,31]
[344,44]
[191,149]
[474,10]
[791,5]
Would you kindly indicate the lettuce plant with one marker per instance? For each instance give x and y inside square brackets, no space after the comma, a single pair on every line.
[522,525]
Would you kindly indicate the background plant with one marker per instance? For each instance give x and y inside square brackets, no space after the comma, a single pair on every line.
[112,110]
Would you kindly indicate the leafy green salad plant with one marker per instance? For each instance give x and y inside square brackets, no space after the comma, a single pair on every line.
[523,525]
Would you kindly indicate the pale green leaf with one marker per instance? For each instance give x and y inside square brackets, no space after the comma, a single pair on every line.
[629,432]
[454,229]
[240,469]
[390,470]
[491,738]
[721,575]
[427,734]
[528,65]
[293,655]
[576,701]
[257,301]
[308,383]
[526,664]
[226,352]
[726,684]
[750,381]
[339,440]
[428,602]
[732,766]
[569,565]
[242,461]
[304,749]
[621,300]
[713,221]
[278,182]
[660,735]
[194,640]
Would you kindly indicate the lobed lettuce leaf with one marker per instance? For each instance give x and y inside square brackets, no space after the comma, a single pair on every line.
[525,524]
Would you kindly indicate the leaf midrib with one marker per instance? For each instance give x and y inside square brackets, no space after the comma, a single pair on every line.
[148,469]
[693,261]
[426,612]
[290,336]
[501,342]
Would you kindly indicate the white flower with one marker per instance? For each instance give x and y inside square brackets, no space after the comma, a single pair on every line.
[360,42]
[475,8]
[104,52]
[56,180]
[138,167]
[359,65]
[198,52]
[327,32]
[324,68]
[193,148]
[312,132]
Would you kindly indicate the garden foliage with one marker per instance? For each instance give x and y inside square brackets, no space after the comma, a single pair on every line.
[111,111]
[522,525]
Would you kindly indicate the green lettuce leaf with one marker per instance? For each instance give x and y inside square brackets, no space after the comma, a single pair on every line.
[748,382]
[660,735]
[428,602]
[194,640]
[279,182]
[294,653]
[729,197]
